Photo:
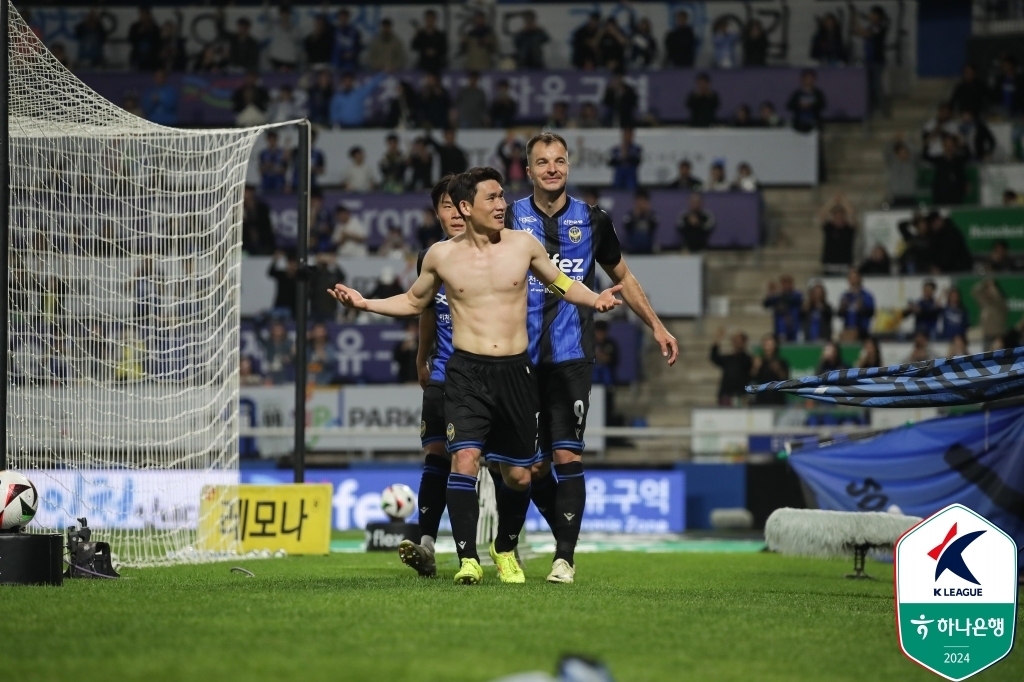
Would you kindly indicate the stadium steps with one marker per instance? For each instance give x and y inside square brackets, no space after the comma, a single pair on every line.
[855,166]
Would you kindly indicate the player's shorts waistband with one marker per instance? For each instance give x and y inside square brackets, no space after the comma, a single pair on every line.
[516,359]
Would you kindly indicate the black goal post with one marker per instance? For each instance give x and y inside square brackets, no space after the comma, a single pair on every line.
[301,300]
[5,210]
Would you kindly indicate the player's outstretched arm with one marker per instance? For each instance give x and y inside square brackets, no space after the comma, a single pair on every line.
[413,302]
[635,297]
[572,291]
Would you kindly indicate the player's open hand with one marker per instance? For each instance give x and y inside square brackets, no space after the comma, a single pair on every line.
[350,298]
[668,343]
[606,299]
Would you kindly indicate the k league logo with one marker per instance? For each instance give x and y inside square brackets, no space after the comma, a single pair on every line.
[956,593]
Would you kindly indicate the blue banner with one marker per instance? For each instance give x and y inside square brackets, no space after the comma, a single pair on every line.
[617,501]
[976,460]
[960,380]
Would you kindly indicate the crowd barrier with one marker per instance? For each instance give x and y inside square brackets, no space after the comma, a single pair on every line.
[364,353]
[995,179]
[981,227]
[737,214]
[674,284]
[777,156]
[353,418]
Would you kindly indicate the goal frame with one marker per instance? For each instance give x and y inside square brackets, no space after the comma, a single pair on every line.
[5,213]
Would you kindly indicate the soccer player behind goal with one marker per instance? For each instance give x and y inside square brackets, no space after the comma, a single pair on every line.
[490,391]
[575,236]
[435,339]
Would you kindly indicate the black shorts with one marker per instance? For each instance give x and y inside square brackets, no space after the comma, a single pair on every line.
[432,422]
[491,403]
[564,404]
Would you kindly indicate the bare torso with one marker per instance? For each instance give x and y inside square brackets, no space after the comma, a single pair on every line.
[486,288]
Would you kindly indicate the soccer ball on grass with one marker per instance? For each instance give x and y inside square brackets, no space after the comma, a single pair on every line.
[398,501]
[18,501]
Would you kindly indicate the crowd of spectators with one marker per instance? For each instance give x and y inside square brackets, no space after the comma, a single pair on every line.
[601,42]
[955,138]
[810,318]
[338,58]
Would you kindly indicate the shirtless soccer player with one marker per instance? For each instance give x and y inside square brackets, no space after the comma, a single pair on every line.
[575,236]
[490,389]
[431,358]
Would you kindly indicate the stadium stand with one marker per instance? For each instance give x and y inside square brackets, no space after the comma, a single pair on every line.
[817,152]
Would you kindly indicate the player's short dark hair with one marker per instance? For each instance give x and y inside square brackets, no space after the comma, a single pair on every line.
[1001,242]
[545,138]
[463,186]
[440,189]
[600,326]
[355,150]
[641,193]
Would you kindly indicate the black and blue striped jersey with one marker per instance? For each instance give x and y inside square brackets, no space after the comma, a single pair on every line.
[443,345]
[576,238]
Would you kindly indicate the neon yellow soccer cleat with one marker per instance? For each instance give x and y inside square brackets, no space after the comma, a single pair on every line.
[470,573]
[509,570]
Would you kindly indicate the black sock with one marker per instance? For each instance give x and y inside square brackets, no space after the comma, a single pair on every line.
[464,512]
[543,492]
[433,490]
[569,505]
[512,508]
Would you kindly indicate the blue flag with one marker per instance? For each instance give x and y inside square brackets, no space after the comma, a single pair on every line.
[976,460]
[949,381]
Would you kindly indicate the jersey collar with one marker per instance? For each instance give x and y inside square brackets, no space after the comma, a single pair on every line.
[558,214]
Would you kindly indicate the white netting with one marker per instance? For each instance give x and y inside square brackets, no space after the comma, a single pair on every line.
[124,289]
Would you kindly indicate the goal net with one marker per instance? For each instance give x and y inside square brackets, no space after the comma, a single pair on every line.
[125,241]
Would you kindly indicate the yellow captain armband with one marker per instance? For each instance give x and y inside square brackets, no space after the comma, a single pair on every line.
[561,285]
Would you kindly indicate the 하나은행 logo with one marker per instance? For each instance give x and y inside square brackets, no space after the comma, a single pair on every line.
[956,593]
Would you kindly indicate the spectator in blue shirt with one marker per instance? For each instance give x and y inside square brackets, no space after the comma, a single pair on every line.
[723,44]
[955,319]
[348,43]
[856,308]
[319,99]
[817,314]
[641,225]
[874,35]
[317,165]
[606,355]
[786,304]
[926,311]
[348,105]
[807,103]
[92,36]
[273,165]
[626,159]
[160,102]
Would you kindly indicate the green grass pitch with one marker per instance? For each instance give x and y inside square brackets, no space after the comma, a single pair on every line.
[366,617]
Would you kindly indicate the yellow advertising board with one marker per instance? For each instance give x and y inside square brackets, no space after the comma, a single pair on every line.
[295,518]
